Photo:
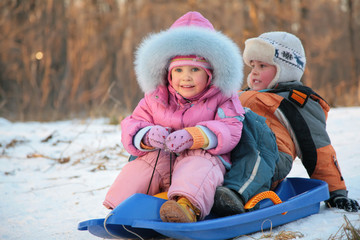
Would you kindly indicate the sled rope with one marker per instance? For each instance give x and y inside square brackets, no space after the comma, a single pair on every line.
[262,226]
[261,196]
[133,232]
[115,236]
[152,175]
[110,214]
[170,167]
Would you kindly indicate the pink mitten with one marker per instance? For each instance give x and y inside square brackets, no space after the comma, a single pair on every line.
[156,136]
[179,141]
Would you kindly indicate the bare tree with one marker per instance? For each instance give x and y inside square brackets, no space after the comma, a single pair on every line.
[61,59]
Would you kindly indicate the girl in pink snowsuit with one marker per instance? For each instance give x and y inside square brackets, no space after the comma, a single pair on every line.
[187,123]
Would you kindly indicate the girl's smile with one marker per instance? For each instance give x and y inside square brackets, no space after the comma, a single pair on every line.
[188,80]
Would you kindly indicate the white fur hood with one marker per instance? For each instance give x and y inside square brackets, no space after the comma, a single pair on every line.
[154,53]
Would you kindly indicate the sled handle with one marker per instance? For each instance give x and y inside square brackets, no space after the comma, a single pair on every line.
[261,196]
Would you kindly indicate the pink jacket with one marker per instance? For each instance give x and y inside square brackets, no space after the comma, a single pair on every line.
[220,114]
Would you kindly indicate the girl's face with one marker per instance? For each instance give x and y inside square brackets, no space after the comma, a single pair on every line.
[261,74]
[189,80]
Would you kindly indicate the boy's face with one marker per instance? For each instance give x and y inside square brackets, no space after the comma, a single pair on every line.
[189,80]
[261,74]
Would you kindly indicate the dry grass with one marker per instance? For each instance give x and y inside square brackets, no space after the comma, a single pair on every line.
[348,231]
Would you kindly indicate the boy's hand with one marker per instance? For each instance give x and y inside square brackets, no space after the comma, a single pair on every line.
[179,141]
[156,136]
[343,202]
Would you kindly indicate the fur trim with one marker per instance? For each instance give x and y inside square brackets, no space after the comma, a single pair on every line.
[260,50]
[154,53]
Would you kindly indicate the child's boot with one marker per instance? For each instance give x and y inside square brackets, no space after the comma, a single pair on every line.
[227,202]
[180,211]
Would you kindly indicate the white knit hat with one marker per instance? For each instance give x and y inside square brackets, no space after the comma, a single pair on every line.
[282,49]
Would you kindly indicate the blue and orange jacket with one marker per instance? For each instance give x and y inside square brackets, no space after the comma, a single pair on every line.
[297,116]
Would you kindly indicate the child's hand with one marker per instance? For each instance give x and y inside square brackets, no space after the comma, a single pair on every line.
[156,136]
[343,202]
[179,141]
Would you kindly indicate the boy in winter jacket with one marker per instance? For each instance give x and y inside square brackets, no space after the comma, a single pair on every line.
[297,117]
[190,119]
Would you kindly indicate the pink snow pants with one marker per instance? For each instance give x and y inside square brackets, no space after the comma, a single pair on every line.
[196,174]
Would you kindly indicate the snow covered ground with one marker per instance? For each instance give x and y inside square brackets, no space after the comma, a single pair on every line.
[54,175]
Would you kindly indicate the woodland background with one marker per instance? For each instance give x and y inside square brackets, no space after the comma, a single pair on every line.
[74,58]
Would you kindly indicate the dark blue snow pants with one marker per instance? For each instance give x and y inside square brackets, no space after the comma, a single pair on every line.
[254,158]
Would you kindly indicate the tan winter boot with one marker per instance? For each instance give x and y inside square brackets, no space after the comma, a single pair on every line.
[180,211]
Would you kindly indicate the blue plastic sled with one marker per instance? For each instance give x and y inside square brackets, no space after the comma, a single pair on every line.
[139,215]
